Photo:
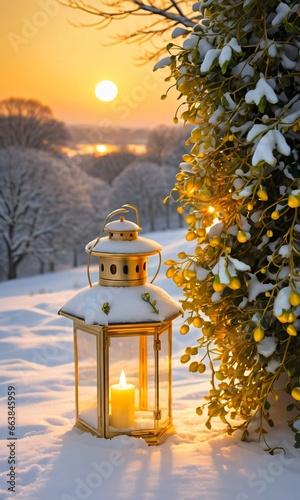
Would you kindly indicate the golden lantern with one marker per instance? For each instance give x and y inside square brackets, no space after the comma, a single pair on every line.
[123,338]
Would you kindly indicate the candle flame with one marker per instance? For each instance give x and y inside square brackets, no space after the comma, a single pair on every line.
[122,380]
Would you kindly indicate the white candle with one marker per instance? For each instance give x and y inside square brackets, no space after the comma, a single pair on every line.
[122,404]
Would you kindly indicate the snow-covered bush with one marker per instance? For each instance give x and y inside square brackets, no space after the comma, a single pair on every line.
[238,71]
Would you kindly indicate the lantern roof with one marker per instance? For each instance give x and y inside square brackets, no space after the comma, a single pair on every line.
[105,306]
[137,246]
[123,237]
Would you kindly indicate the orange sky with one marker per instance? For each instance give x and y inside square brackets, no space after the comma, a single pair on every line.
[43,57]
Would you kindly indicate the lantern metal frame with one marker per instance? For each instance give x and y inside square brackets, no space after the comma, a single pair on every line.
[103,335]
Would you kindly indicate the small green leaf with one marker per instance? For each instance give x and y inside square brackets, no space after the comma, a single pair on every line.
[106,308]
[262,104]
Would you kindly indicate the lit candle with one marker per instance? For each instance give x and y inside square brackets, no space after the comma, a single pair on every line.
[122,404]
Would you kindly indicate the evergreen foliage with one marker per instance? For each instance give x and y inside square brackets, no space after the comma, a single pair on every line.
[238,71]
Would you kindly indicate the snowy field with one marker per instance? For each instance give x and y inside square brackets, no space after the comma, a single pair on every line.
[56,461]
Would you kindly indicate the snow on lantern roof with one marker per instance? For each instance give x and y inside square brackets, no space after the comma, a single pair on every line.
[122,225]
[124,305]
[138,246]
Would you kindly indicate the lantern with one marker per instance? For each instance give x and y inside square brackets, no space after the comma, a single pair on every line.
[123,338]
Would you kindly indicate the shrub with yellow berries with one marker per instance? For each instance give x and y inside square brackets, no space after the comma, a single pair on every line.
[238,187]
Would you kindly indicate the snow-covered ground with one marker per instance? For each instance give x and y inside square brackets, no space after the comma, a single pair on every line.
[56,461]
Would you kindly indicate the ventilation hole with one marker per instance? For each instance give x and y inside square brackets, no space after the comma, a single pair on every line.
[121,234]
[113,269]
[130,235]
[102,267]
[111,235]
[137,268]
[144,266]
[125,269]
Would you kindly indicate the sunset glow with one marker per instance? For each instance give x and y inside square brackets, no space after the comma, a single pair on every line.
[60,65]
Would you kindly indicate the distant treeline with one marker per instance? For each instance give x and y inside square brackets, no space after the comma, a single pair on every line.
[52,203]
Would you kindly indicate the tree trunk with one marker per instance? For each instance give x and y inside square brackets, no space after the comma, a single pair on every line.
[180,221]
[51,266]
[167,212]
[42,267]
[152,217]
[75,258]
[12,268]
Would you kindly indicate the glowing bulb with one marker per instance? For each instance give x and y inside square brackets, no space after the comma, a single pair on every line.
[210,209]
[122,380]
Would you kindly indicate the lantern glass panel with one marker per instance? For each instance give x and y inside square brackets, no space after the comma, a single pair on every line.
[164,376]
[134,354]
[87,377]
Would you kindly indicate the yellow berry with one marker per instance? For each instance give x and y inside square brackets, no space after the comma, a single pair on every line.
[294,298]
[275,215]
[193,366]
[292,331]
[296,393]
[250,206]
[263,270]
[262,194]
[242,236]
[207,330]
[190,218]
[180,210]
[269,233]
[182,255]
[291,317]
[283,318]
[258,334]
[188,274]
[170,272]
[235,283]
[197,322]
[287,317]
[203,195]
[215,241]
[217,285]
[184,329]
[185,358]
[201,232]
[293,201]
[178,278]
[190,235]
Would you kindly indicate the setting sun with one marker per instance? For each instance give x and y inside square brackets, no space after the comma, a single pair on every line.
[101,148]
[106,90]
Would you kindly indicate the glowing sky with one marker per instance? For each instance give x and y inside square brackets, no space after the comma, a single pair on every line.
[42,56]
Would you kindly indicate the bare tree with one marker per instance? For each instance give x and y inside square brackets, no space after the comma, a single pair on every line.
[145,185]
[107,167]
[29,124]
[163,145]
[159,18]
[44,204]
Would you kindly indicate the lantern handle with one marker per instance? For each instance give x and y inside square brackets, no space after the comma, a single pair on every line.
[138,220]
[158,269]
[112,214]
